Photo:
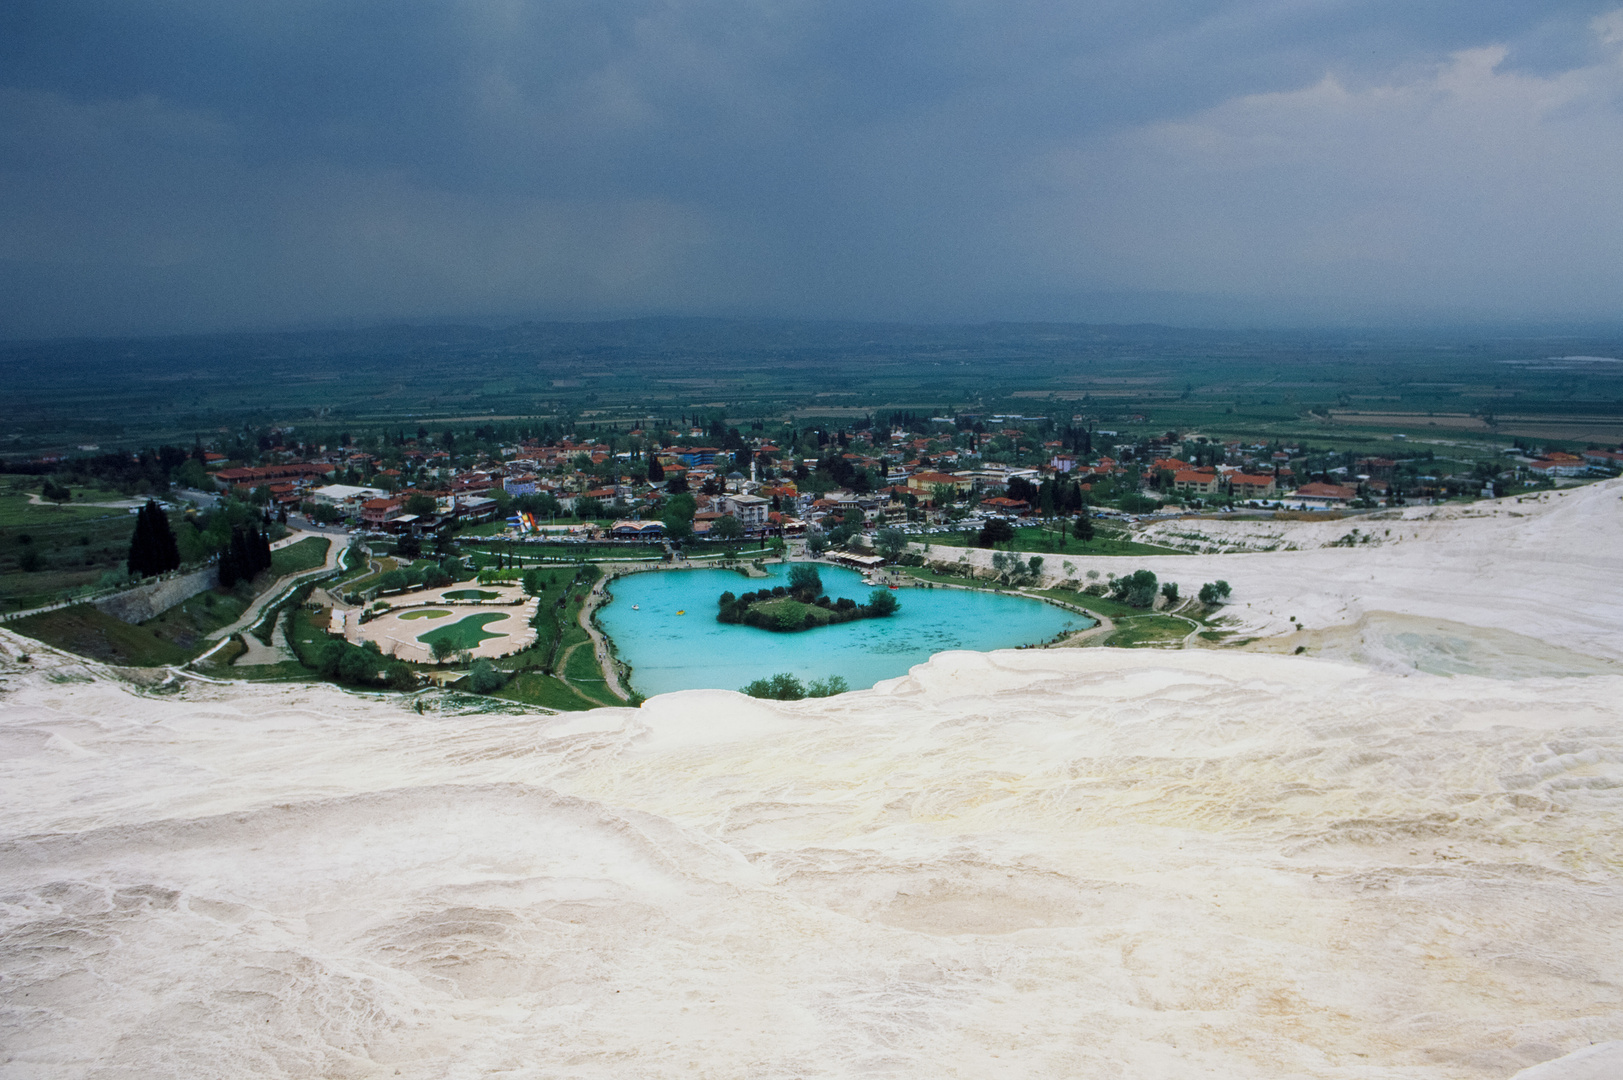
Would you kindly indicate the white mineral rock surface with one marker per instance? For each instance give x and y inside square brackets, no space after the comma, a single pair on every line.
[1044,863]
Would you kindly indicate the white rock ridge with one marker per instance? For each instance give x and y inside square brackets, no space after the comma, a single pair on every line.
[1043,863]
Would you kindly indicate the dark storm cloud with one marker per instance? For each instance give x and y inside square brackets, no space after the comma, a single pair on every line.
[184,164]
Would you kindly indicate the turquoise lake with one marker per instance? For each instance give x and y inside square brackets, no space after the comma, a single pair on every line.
[669,652]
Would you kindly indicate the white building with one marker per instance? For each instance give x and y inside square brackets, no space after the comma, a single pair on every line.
[750,510]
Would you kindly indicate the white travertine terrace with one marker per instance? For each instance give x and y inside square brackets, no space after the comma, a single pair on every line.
[1042,863]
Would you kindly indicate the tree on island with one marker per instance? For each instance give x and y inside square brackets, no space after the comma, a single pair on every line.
[805,580]
[153,549]
[882,602]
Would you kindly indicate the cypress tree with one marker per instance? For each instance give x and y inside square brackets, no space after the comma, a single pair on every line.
[165,550]
[153,549]
[656,472]
[241,563]
[140,546]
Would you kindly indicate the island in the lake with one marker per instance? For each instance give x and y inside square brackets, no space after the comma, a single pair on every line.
[801,605]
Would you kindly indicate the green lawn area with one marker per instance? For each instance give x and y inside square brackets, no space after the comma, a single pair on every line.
[471,594]
[1147,630]
[84,630]
[464,633]
[582,666]
[187,622]
[793,612]
[1046,541]
[534,688]
[307,554]
[17,511]
[48,551]
[424,614]
[1102,605]
[358,579]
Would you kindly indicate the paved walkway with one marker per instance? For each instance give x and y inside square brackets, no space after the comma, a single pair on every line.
[600,644]
[280,589]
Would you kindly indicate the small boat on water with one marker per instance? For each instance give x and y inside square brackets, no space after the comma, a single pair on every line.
[634,607]
[681,612]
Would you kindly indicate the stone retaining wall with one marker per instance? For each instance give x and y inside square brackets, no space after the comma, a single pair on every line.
[148,601]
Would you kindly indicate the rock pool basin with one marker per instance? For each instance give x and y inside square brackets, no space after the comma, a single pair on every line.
[693,651]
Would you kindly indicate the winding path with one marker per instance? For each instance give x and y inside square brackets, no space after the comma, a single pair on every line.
[275,593]
[600,644]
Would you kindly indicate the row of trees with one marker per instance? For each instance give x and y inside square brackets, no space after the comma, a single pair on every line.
[785,687]
[245,557]
[1139,590]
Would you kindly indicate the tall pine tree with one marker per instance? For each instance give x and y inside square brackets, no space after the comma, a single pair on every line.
[153,549]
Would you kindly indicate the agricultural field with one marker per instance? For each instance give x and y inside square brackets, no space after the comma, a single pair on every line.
[1359,389]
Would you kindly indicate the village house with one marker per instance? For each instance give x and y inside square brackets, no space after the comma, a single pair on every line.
[1317,494]
[1196,483]
[1249,486]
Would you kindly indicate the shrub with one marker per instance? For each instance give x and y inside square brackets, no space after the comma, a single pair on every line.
[1137,588]
[780,687]
[883,602]
[1214,591]
[804,578]
[995,531]
[828,687]
[1170,591]
[486,678]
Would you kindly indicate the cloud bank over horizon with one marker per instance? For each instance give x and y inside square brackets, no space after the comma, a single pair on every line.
[187,166]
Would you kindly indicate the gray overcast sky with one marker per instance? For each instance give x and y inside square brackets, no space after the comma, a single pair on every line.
[196,164]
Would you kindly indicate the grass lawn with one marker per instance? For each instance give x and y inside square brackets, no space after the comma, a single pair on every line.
[534,688]
[1101,605]
[795,613]
[187,622]
[1147,630]
[471,594]
[425,614]
[1048,542]
[360,578]
[84,630]
[46,551]
[582,665]
[465,633]
[924,573]
[307,554]
[16,511]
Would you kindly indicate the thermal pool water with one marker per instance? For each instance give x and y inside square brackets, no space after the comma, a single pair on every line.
[664,625]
